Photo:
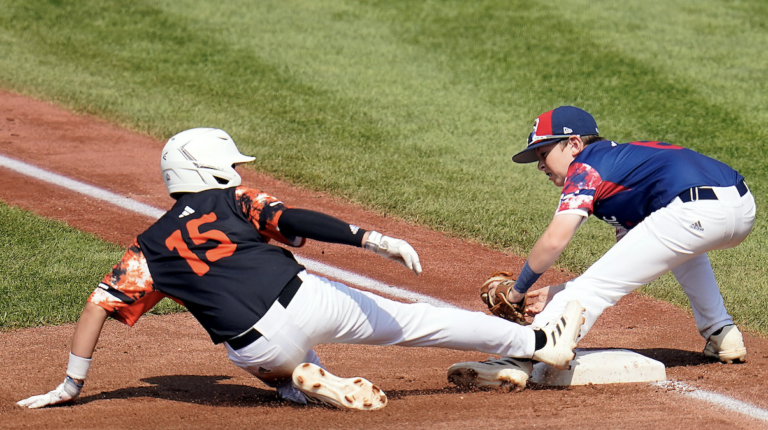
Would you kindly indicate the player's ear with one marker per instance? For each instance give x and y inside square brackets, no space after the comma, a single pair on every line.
[575,144]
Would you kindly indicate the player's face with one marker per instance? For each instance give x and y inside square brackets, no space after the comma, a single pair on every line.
[554,160]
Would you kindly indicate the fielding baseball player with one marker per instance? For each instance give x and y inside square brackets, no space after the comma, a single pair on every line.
[669,205]
[210,252]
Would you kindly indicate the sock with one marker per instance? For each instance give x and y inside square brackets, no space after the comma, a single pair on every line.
[541,339]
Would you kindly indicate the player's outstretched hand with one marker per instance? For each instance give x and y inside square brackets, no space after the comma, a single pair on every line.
[394,249]
[65,392]
[536,300]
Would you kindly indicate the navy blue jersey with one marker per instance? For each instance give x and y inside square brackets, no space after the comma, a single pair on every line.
[624,183]
[211,252]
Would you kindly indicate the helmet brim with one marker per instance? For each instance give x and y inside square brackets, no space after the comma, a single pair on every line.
[243,159]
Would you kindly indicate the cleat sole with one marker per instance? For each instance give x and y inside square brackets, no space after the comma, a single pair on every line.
[343,393]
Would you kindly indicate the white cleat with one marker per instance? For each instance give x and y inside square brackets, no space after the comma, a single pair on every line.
[727,345]
[504,374]
[345,393]
[561,337]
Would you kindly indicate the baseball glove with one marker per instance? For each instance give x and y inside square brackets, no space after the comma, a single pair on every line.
[498,303]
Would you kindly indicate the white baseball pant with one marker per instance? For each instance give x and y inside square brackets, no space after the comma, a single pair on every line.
[677,238]
[324,311]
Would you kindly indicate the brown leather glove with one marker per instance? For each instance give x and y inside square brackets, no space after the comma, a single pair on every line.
[498,303]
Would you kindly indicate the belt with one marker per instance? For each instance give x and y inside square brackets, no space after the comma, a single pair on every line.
[707,193]
[252,334]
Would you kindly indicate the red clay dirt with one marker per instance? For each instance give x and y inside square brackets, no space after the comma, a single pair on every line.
[165,372]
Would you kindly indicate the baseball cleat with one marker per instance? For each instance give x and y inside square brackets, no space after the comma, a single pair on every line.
[561,337]
[504,374]
[345,393]
[726,345]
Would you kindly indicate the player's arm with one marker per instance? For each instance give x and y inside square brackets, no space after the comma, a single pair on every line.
[125,294]
[319,226]
[325,228]
[274,220]
[553,242]
[83,344]
[545,252]
[88,330]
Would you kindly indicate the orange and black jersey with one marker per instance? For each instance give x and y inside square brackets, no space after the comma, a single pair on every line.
[211,253]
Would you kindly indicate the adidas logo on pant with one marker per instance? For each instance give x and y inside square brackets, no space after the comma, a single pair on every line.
[696,226]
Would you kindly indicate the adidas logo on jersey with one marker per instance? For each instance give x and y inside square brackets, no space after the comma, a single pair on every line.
[697,226]
[187,211]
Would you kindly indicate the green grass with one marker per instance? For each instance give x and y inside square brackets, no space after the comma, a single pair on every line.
[414,109]
[49,270]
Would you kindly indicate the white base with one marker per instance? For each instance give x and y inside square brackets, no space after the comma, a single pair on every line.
[608,366]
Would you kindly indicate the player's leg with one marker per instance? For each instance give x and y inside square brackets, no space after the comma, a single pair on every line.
[283,357]
[274,360]
[651,249]
[640,257]
[340,314]
[346,315]
[666,239]
[724,340]
[699,283]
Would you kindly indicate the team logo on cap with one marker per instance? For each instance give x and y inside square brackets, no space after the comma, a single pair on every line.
[543,122]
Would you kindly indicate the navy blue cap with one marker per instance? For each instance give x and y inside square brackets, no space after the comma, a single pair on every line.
[557,124]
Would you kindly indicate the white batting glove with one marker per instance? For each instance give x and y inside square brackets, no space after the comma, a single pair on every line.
[65,392]
[394,249]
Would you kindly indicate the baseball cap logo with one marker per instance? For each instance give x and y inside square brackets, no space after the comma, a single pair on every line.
[547,129]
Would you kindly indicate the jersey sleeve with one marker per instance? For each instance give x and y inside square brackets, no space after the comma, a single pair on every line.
[579,190]
[128,292]
[263,211]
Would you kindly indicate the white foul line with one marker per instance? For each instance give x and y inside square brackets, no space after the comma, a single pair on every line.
[153,212]
[718,399]
[71,184]
[349,277]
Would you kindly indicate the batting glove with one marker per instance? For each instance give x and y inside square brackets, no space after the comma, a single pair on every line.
[65,392]
[394,249]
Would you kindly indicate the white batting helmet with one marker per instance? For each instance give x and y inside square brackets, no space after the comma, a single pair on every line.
[200,159]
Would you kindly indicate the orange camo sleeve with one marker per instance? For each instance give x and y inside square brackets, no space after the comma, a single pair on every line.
[128,292]
[263,211]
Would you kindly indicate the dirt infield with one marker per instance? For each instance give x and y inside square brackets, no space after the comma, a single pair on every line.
[165,373]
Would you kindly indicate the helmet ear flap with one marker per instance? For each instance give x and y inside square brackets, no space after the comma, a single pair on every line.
[200,159]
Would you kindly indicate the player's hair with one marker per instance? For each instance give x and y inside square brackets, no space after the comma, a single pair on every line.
[588,139]
[592,138]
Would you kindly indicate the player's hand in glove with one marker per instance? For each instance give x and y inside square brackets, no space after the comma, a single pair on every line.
[495,293]
[67,391]
[393,249]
